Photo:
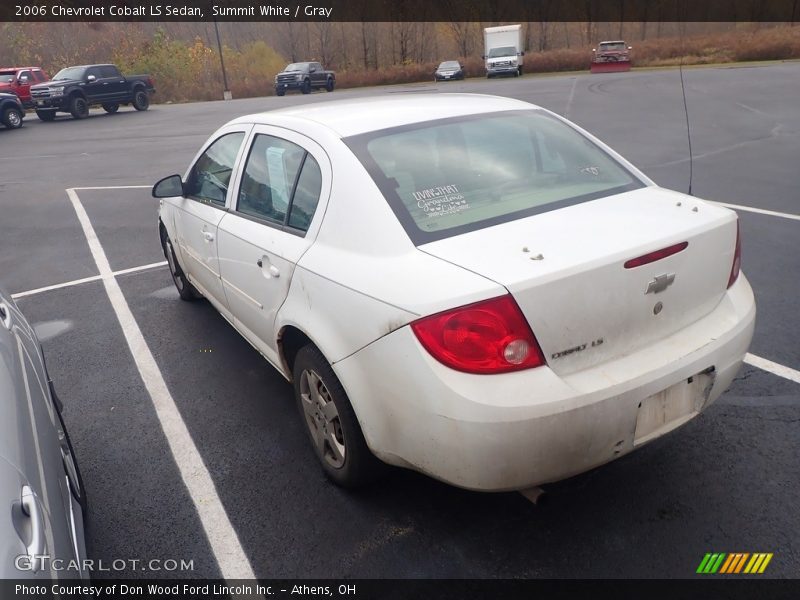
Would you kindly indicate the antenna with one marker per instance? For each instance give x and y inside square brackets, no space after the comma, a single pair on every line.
[686,112]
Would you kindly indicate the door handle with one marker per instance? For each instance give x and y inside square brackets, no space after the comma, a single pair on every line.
[273,270]
[36,549]
[208,236]
[5,315]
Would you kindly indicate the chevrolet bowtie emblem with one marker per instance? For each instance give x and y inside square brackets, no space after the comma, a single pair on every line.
[659,283]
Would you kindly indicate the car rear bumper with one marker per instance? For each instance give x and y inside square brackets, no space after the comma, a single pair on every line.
[517,430]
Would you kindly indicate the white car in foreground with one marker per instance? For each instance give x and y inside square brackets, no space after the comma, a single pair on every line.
[469,286]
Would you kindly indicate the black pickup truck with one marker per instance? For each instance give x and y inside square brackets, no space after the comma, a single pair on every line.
[304,76]
[75,89]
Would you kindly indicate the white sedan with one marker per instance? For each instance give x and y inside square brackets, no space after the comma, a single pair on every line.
[469,286]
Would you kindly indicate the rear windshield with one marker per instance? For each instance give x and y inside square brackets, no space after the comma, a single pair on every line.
[450,176]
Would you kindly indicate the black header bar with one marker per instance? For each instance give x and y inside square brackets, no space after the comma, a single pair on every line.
[487,11]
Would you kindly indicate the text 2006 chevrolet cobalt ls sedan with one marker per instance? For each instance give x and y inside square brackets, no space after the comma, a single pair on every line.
[469,286]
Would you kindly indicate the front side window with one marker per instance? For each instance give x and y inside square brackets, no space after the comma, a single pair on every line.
[281,183]
[209,178]
[450,176]
[25,74]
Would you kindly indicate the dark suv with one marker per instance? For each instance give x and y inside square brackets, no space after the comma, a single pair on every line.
[304,76]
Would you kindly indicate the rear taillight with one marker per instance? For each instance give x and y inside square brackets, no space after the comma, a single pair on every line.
[650,257]
[737,258]
[491,336]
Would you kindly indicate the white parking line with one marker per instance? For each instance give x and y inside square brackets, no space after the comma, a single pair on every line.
[222,538]
[772,367]
[58,286]
[760,211]
[115,187]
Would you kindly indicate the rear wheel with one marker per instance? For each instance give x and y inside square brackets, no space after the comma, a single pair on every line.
[46,115]
[111,108]
[12,118]
[141,101]
[78,107]
[306,89]
[185,289]
[330,421]
[329,85]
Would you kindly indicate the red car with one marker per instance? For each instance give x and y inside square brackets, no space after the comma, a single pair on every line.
[18,80]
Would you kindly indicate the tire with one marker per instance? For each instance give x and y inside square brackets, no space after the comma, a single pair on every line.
[519,68]
[12,118]
[331,423]
[186,290]
[78,107]
[111,108]
[330,84]
[46,115]
[306,89]
[280,92]
[73,471]
[141,101]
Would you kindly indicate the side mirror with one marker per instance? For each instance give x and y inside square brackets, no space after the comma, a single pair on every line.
[483,57]
[168,187]
[630,47]
[23,79]
[522,53]
[91,78]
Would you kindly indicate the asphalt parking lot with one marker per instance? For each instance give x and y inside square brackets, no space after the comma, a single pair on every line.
[727,482]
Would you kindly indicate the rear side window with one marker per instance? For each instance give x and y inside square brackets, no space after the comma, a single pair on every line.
[306,195]
[39,76]
[109,71]
[450,176]
[281,183]
[209,178]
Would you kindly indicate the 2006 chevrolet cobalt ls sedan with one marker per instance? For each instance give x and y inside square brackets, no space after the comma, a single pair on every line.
[469,286]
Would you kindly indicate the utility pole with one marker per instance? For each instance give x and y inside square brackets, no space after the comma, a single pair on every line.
[226,93]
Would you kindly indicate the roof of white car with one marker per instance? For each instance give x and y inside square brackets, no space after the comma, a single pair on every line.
[352,117]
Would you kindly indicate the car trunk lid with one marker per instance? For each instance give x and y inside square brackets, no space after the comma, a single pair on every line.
[566,270]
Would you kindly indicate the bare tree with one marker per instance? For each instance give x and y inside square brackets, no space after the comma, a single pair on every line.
[323,37]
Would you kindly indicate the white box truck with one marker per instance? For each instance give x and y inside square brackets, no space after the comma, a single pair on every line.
[503,50]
